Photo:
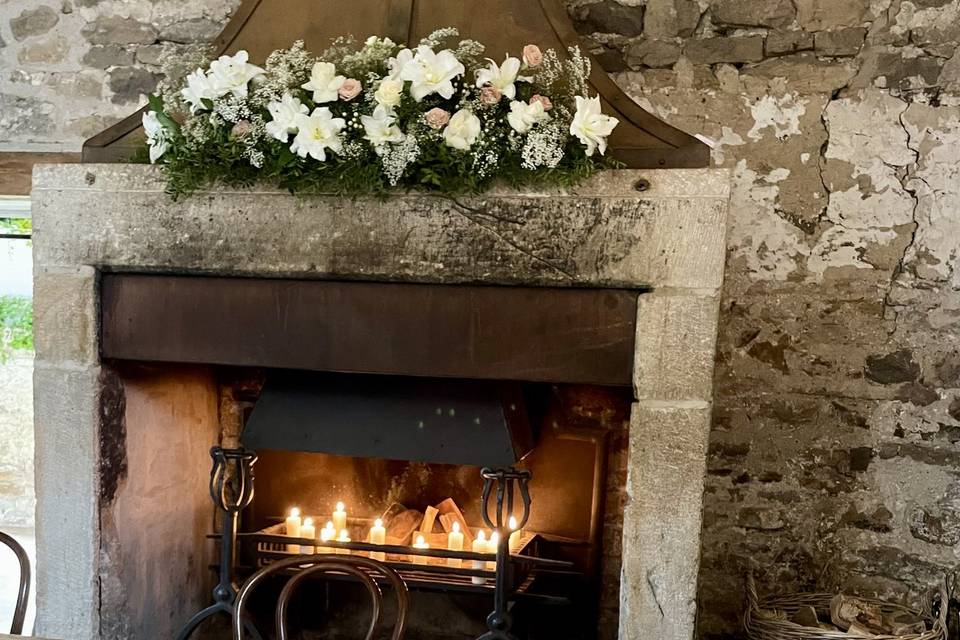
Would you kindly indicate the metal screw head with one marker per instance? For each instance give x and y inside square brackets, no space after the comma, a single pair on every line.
[641,185]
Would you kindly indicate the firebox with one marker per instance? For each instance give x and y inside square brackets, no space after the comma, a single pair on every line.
[315,335]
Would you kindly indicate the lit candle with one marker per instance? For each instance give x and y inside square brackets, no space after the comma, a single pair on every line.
[340,517]
[515,536]
[293,529]
[455,543]
[420,544]
[343,537]
[378,535]
[492,545]
[326,534]
[479,546]
[308,531]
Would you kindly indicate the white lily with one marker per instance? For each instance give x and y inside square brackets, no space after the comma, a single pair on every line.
[324,82]
[316,133]
[199,88]
[284,117]
[462,130]
[431,72]
[523,116]
[157,137]
[502,77]
[381,128]
[397,63]
[591,126]
[232,74]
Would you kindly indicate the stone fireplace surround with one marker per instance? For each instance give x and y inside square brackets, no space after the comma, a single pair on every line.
[669,233]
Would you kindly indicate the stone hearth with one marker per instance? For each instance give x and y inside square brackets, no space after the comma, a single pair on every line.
[111,560]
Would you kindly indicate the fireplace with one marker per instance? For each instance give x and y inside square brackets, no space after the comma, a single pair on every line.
[577,327]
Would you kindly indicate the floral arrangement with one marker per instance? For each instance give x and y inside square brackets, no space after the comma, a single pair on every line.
[370,117]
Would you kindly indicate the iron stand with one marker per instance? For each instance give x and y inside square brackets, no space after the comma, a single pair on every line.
[499,622]
[230,467]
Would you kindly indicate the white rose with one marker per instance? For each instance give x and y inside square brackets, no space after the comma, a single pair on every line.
[284,117]
[431,72]
[462,130]
[389,92]
[316,133]
[523,116]
[591,126]
[502,77]
[157,136]
[380,128]
[324,82]
[232,74]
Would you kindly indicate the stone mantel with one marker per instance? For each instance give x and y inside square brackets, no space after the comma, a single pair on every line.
[668,236]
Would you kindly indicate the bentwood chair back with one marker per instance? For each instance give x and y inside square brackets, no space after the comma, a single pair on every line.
[366,570]
[23,592]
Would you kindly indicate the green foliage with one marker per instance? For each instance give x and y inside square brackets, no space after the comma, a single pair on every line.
[20,226]
[16,325]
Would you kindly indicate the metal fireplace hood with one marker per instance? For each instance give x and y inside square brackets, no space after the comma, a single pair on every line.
[445,421]
[641,141]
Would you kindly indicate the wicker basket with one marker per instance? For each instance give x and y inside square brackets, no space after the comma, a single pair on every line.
[765,629]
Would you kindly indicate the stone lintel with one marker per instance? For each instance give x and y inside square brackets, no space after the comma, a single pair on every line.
[65,314]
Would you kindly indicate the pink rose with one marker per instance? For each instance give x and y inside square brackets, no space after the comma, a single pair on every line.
[490,95]
[437,118]
[350,89]
[532,55]
[241,129]
[544,100]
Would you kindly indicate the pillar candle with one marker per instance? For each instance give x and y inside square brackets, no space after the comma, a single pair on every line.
[327,533]
[492,545]
[479,546]
[378,535]
[308,531]
[343,537]
[340,517]
[455,543]
[293,529]
[420,544]
[515,535]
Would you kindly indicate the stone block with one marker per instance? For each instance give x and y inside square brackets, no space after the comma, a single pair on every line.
[67,463]
[653,53]
[775,14]
[65,315]
[780,43]
[662,521]
[722,49]
[129,83]
[191,31]
[608,16]
[604,232]
[841,42]
[33,22]
[816,15]
[675,348]
[106,56]
[118,30]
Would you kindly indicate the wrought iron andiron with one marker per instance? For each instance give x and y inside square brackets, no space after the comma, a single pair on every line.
[231,488]
[500,622]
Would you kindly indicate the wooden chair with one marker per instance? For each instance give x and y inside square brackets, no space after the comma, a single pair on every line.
[364,569]
[20,611]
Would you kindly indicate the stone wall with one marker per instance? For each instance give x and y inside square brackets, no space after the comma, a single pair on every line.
[834,455]
[16,436]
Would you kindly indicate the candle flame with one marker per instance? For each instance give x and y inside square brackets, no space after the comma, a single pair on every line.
[340,506]
[329,525]
[494,537]
[378,523]
[481,536]
[308,522]
[420,540]
[294,513]
[343,536]
[456,527]
[513,523]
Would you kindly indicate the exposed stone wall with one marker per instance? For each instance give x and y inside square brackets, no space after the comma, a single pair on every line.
[16,440]
[834,450]
[834,457]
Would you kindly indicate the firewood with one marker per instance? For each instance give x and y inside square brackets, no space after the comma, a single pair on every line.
[903,623]
[847,610]
[429,519]
[401,523]
[450,513]
[806,616]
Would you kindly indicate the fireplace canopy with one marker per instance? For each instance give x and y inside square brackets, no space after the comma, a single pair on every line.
[262,26]
[444,421]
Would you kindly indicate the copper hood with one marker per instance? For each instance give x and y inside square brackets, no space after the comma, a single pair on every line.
[261,26]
